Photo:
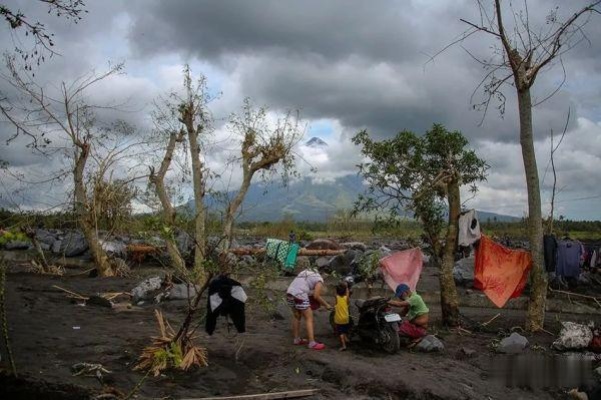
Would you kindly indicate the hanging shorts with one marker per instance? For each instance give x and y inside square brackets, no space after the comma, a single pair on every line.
[298,303]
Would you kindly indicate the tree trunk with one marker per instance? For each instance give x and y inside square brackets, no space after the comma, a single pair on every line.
[168,211]
[232,209]
[538,278]
[99,256]
[449,300]
[199,189]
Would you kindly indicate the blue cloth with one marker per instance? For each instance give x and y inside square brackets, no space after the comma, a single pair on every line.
[402,288]
[568,258]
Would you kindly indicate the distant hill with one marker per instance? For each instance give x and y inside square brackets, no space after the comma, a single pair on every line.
[306,200]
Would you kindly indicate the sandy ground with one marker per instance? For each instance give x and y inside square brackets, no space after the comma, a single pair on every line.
[50,332]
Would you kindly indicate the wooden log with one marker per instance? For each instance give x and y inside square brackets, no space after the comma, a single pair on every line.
[292,394]
[248,251]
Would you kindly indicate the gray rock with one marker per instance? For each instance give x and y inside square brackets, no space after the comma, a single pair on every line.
[73,244]
[513,344]
[17,245]
[463,271]
[385,251]
[430,344]
[114,248]
[182,291]
[143,291]
[184,242]
[45,237]
[573,336]
[322,262]
[598,372]
[355,246]
[56,246]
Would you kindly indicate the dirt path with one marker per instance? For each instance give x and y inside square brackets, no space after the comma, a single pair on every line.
[50,333]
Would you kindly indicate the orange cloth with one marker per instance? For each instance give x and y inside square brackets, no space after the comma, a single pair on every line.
[402,267]
[501,273]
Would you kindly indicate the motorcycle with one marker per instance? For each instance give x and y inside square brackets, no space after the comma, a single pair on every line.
[377,323]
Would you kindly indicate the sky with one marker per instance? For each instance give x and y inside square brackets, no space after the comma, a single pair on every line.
[345,65]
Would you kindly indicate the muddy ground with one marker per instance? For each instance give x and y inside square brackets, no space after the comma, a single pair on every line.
[50,332]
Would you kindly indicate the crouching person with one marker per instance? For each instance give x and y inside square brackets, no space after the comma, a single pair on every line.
[415,311]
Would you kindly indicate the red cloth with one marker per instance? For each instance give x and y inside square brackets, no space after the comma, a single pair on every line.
[411,330]
[501,273]
[402,267]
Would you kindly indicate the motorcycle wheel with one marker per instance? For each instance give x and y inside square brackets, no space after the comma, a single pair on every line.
[390,341]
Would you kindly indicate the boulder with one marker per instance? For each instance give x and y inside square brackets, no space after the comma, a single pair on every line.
[17,245]
[114,248]
[513,344]
[384,251]
[573,336]
[45,237]
[184,242]
[430,344]
[323,244]
[355,246]
[463,271]
[72,245]
[182,291]
[144,290]
[322,262]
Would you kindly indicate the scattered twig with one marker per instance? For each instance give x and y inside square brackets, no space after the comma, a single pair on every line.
[266,396]
[76,295]
[596,299]
[491,320]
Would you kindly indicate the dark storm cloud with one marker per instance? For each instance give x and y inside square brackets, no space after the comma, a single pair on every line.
[351,60]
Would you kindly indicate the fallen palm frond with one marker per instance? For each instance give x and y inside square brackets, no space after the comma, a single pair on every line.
[165,352]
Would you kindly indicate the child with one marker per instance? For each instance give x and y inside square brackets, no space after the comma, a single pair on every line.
[341,313]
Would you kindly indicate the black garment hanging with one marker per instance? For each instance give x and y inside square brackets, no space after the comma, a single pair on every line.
[226,298]
[550,252]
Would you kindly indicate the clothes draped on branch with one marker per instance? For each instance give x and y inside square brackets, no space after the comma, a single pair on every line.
[469,228]
[226,298]
[402,267]
[285,253]
[501,273]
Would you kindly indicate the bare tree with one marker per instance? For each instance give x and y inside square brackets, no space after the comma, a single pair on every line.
[184,119]
[263,148]
[518,59]
[43,42]
[68,120]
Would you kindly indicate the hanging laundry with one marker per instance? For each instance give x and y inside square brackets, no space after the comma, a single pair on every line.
[501,273]
[550,252]
[226,298]
[283,252]
[402,267]
[469,228]
[569,253]
[593,262]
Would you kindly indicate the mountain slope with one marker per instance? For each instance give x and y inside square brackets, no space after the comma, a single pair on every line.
[305,200]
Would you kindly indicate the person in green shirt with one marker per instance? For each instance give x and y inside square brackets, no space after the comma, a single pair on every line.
[415,311]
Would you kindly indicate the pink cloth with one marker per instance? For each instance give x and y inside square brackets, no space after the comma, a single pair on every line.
[402,267]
